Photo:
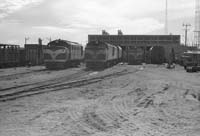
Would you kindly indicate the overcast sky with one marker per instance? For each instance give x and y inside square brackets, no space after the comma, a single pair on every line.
[75,19]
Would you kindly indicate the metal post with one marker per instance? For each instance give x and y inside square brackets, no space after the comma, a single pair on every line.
[186,30]
[26,39]
[166,18]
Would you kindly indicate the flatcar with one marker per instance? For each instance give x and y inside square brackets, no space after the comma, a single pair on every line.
[9,55]
[62,53]
[101,55]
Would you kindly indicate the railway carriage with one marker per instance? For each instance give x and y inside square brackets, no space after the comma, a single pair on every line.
[61,54]
[100,54]
[9,55]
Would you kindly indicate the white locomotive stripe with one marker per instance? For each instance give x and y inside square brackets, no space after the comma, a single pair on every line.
[54,54]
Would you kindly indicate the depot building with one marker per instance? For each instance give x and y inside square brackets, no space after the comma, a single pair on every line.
[143,42]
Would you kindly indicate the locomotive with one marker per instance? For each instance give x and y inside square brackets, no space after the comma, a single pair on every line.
[101,55]
[61,53]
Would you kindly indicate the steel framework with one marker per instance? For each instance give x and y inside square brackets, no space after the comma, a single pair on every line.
[197,24]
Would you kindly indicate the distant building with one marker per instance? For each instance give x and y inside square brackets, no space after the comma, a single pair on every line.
[145,42]
[137,40]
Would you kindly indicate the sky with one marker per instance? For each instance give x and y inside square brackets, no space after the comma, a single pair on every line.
[74,19]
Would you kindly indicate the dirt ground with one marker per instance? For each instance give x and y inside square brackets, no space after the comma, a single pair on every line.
[146,101]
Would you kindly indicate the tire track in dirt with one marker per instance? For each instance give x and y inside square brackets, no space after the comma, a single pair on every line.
[76,114]
[50,81]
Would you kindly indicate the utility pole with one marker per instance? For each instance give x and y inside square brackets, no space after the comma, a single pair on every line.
[26,39]
[186,31]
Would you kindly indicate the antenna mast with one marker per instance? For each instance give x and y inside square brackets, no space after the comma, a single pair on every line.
[166,18]
[197,24]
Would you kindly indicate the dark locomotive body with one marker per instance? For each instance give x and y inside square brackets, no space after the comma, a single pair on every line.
[61,54]
[100,55]
[9,55]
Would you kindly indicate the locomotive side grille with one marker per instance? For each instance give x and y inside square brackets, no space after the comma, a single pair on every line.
[95,54]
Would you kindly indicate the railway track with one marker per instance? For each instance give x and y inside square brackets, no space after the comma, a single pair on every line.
[62,84]
[3,77]
[49,82]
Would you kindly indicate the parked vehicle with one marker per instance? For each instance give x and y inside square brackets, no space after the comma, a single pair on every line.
[191,61]
[101,55]
[61,54]
[9,55]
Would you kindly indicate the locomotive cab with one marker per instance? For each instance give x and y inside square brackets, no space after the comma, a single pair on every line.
[56,53]
[100,54]
[62,53]
[95,54]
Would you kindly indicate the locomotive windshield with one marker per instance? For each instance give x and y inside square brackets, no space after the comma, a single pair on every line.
[95,53]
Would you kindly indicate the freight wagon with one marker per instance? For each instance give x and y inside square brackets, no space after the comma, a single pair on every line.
[22,58]
[9,55]
[34,54]
[101,55]
[63,53]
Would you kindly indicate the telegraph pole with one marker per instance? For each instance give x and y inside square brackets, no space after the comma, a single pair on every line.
[186,31]
[26,39]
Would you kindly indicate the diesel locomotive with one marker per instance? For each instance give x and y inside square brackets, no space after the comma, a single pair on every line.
[60,54]
[101,55]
